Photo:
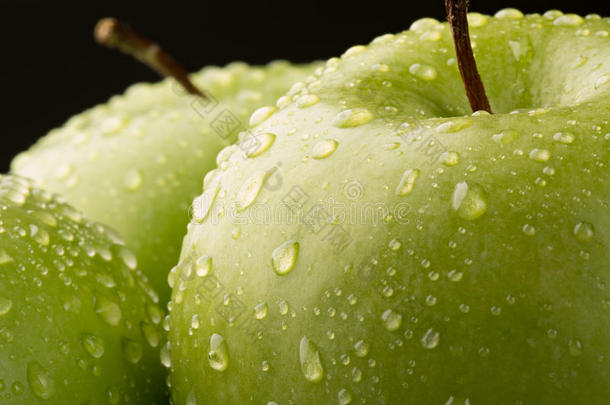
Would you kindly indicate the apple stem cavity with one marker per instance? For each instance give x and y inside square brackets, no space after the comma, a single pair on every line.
[458,21]
[112,33]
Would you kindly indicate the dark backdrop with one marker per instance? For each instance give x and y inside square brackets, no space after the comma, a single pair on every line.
[51,68]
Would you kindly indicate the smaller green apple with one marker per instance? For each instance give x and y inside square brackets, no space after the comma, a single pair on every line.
[78,322]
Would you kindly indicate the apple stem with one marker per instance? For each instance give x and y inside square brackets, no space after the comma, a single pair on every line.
[458,20]
[112,33]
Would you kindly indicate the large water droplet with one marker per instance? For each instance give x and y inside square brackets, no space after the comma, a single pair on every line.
[5,305]
[391,320]
[93,345]
[108,310]
[203,204]
[361,348]
[423,72]
[307,100]
[203,265]
[344,397]
[476,20]
[40,380]
[218,353]
[407,182]
[450,158]
[5,257]
[259,143]
[431,339]
[509,14]
[324,149]
[540,155]
[132,350]
[250,189]
[469,200]
[261,310]
[569,20]
[260,115]
[284,257]
[583,231]
[352,118]
[311,365]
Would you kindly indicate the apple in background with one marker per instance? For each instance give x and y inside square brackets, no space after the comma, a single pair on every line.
[410,251]
[78,321]
[136,162]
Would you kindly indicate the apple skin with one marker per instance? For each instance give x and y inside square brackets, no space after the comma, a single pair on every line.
[138,161]
[78,322]
[484,277]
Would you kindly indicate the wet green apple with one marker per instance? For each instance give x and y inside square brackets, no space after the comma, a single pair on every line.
[136,162]
[388,246]
[78,321]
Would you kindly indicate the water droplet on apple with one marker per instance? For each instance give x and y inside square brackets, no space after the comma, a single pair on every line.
[424,24]
[284,257]
[132,180]
[583,231]
[431,339]
[361,348]
[324,149]
[423,72]
[569,20]
[450,158]
[529,230]
[602,81]
[165,355]
[395,245]
[64,171]
[5,305]
[260,115]
[352,118]
[407,182]
[218,353]
[453,126]
[261,310]
[108,310]
[575,347]
[250,189]
[469,200]
[309,357]
[203,203]
[150,333]
[540,155]
[132,350]
[307,100]
[344,397]
[509,14]
[40,380]
[476,20]
[93,345]
[259,144]
[283,306]
[391,320]
[203,265]
[564,137]
[354,50]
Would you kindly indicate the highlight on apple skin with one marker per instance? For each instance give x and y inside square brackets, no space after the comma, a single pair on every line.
[386,245]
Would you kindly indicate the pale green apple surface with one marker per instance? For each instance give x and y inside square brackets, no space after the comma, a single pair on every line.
[385,246]
[78,322]
[136,162]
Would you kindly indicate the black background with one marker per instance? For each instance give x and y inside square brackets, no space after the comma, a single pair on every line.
[51,68]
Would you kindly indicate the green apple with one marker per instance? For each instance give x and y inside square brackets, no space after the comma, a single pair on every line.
[136,163]
[387,246]
[78,321]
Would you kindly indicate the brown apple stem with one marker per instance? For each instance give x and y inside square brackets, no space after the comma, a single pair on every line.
[114,34]
[457,16]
